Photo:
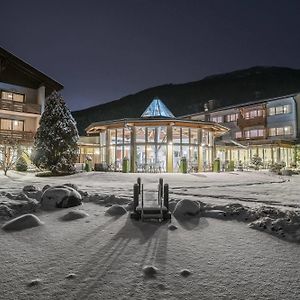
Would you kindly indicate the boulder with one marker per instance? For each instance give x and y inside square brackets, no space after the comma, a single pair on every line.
[116,210]
[29,188]
[150,271]
[186,208]
[60,197]
[22,222]
[172,227]
[185,273]
[74,215]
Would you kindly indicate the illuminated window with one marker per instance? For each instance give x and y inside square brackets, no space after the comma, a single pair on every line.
[12,96]
[140,134]
[162,134]
[194,136]
[185,136]
[151,135]
[238,134]
[279,110]
[231,117]
[176,135]
[287,130]
[254,133]
[127,136]
[217,119]
[16,125]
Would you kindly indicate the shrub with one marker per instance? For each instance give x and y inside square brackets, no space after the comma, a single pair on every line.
[21,164]
[277,167]
[87,166]
[256,161]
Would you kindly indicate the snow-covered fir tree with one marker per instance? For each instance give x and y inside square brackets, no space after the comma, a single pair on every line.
[55,145]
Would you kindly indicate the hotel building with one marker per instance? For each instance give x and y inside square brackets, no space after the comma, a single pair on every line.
[23,90]
[268,128]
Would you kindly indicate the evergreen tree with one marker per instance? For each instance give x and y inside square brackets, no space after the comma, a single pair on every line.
[55,145]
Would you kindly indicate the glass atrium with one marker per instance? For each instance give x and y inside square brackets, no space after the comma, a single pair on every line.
[156,142]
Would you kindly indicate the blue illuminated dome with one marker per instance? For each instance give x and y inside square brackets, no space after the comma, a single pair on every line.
[157,109]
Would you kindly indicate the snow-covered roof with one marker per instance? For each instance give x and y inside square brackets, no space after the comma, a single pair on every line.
[157,109]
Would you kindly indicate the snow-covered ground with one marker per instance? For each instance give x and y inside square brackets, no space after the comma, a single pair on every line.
[106,255]
[247,188]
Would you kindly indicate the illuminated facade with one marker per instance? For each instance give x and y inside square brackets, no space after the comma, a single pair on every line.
[267,128]
[156,142]
[22,98]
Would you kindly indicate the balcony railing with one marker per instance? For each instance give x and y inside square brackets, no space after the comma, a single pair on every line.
[19,106]
[22,136]
[257,121]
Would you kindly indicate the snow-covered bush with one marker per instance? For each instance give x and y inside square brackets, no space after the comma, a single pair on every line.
[55,146]
[277,167]
[21,164]
[256,162]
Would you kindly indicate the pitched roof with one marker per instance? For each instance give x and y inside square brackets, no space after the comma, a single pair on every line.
[16,71]
[157,109]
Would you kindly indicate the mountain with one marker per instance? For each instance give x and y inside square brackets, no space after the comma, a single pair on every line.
[226,89]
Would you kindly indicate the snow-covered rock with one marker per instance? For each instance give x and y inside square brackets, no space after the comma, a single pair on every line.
[71,276]
[34,282]
[13,205]
[150,271]
[74,215]
[287,227]
[116,210]
[172,227]
[29,188]
[60,197]
[186,208]
[185,273]
[22,222]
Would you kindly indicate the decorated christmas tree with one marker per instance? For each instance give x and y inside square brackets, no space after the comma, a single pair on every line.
[55,146]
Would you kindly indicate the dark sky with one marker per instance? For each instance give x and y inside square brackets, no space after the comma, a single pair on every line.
[102,50]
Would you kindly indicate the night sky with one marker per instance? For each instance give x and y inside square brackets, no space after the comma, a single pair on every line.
[103,50]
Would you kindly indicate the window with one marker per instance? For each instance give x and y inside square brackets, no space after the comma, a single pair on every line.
[12,96]
[120,136]
[162,134]
[151,135]
[279,110]
[253,114]
[194,136]
[238,134]
[176,135]
[231,117]
[112,136]
[185,136]
[140,134]
[16,125]
[217,119]
[254,133]
[287,130]
[127,136]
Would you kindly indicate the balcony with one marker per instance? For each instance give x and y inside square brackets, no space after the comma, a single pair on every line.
[22,136]
[20,107]
[256,121]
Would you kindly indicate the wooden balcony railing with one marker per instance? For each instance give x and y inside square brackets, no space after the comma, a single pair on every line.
[257,121]
[22,136]
[19,106]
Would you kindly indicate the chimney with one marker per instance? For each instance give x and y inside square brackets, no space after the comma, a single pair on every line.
[211,104]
